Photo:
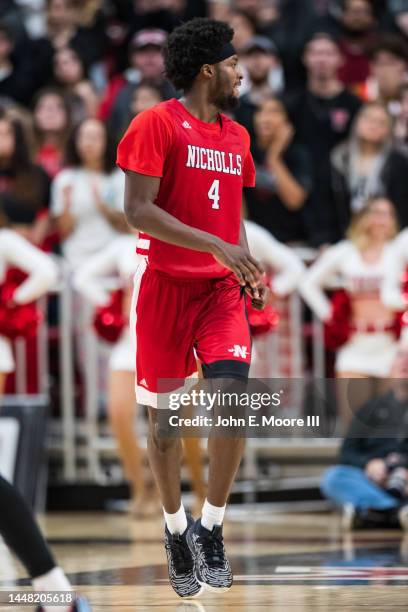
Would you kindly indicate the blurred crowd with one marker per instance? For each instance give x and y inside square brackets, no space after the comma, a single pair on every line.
[324,97]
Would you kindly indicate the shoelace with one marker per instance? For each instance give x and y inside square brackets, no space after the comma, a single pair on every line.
[213,549]
[180,553]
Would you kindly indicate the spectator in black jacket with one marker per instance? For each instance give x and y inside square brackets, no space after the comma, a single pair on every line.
[370,480]
[283,179]
[290,30]
[322,115]
[367,165]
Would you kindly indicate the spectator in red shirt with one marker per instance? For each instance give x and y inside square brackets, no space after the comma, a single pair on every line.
[358,23]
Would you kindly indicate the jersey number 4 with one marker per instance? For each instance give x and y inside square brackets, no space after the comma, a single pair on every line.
[214,194]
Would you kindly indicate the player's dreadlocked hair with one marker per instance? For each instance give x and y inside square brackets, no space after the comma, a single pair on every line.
[190,46]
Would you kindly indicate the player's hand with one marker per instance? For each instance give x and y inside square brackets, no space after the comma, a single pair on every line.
[260,296]
[247,270]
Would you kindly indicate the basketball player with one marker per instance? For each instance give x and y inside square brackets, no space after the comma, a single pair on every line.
[186,164]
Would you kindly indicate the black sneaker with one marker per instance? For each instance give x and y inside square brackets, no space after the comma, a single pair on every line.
[181,563]
[211,563]
[81,604]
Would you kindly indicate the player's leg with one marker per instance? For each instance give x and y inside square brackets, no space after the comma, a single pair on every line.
[22,535]
[226,376]
[228,453]
[206,536]
[193,455]
[223,346]
[165,458]
[164,351]
[165,462]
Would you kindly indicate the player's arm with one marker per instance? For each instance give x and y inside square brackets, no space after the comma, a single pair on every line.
[141,213]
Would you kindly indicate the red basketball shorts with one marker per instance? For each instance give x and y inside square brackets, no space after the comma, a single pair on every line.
[177,320]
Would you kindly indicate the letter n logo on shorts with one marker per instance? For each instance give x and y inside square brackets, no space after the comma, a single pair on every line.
[239,351]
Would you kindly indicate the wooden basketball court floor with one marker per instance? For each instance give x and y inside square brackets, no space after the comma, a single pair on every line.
[282,562]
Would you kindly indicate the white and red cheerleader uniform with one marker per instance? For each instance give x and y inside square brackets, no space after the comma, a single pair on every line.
[369,350]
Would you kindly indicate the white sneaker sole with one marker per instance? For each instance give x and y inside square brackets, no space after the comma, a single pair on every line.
[205,586]
[212,589]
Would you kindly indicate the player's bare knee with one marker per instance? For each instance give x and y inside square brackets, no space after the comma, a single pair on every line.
[159,441]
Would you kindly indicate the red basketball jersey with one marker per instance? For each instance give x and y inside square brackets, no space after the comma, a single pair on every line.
[203,168]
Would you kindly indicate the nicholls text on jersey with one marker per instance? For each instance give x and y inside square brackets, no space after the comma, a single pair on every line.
[211,159]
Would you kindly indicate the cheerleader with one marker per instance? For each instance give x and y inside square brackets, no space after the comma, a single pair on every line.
[358,265]
[120,258]
[17,252]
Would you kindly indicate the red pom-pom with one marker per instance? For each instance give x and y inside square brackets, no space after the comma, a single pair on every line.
[109,321]
[337,331]
[23,321]
[14,276]
[17,321]
[262,321]
[400,321]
